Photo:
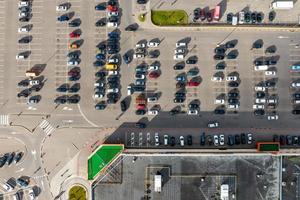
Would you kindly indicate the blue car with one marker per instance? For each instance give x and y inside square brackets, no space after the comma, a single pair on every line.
[100,7]
[63,18]
[99,63]
[113,35]
[126,59]
[100,56]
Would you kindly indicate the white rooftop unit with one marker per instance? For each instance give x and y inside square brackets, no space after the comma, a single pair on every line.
[157,183]
[282,5]
[224,192]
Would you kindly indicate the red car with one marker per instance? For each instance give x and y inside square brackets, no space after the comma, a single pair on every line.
[112,8]
[153,74]
[74,35]
[73,73]
[141,107]
[193,83]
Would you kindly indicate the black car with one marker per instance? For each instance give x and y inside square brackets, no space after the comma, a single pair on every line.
[219,111]
[174,111]
[18,157]
[220,66]
[258,62]
[237,139]
[230,140]
[24,19]
[140,112]
[233,84]
[10,158]
[243,138]
[191,61]
[270,62]
[189,139]
[131,28]
[112,100]
[178,67]
[73,99]
[271,16]
[270,83]
[219,57]
[3,159]
[139,88]
[99,63]
[259,17]
[295,140]
[259,112]
[112,95]
[180,94]
[23,83]
[113,79]
[209,16]
[220,50]
[24,93]
[24,40]
[197,13]
[100,106]
[100,23]
[257,45]
[296,95]
[126,58]
[141,1]
[282,140]
[101,74]
[229,18]
[112,2]
[233,94]
[61,99]
[113,51]
[247,17]
[275,138]
[296,112]
[209,140]
[178,100]
[233,101]
[74,78]
[230,44]
[260,95]
[231,56]
[202,139]
[153,53]
[193,105]
[253,17]
[63,88]
[113,19]
[74,23]
[123,106]
[172,141]
[140,125]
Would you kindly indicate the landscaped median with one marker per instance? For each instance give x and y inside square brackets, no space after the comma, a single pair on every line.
[169,17]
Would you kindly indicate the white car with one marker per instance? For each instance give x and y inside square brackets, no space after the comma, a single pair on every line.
[260,100]
[20,57]
[179,51]
[72,62]
[152,99]
[138,55]
[23,4]
[23,14]
[114,72]
[181,139]
[34,82]
[31,195]
[97,95]
[152,44]
[219,101]
[181,44]
[113,14]
[166,140]
[233,106]
[113,60]
[178,57]
[249,136]
[140,45]
[129,90]
[23,30]
[295,84]
[139,76]
[213,125]
[231,78]
[273,117]
[272,100]
[258,106]
[216,140]
[152,112]
[61,8]
[7,187]
[113,90]
[270,73]
[156,138]
[32,101]
[217,78]
[101,84]
[259,88]
[112,24]
[153,67]
[222,140]
[193,112]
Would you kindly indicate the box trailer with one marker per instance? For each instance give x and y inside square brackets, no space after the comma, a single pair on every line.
[157,183]
[282,5]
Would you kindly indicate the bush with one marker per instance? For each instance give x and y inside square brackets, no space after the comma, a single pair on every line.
[77,193]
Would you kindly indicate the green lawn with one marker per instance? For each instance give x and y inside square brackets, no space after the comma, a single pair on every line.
[77,193]
[169,17]
[101,158]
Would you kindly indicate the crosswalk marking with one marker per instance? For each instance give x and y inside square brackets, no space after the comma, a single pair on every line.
[46,127]
[4,119]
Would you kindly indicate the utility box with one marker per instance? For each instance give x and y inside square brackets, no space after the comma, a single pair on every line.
[282,5]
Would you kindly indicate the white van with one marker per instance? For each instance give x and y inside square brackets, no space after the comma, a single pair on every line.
[259,88]
[20,57]
[241,17]
[261,67]
[23,30]
[181,44]
[152,99]
[166,140]
[296,101]
[129,90]
[114,72]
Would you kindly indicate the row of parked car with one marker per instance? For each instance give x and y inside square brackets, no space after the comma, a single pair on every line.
[23,183]
[287,139]
[217,140]
[9,158]
[67,91]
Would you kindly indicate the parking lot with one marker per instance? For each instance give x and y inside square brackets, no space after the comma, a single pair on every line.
[198,176]
[163,84]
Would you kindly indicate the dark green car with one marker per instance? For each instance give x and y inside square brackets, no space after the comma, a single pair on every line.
[247,17]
